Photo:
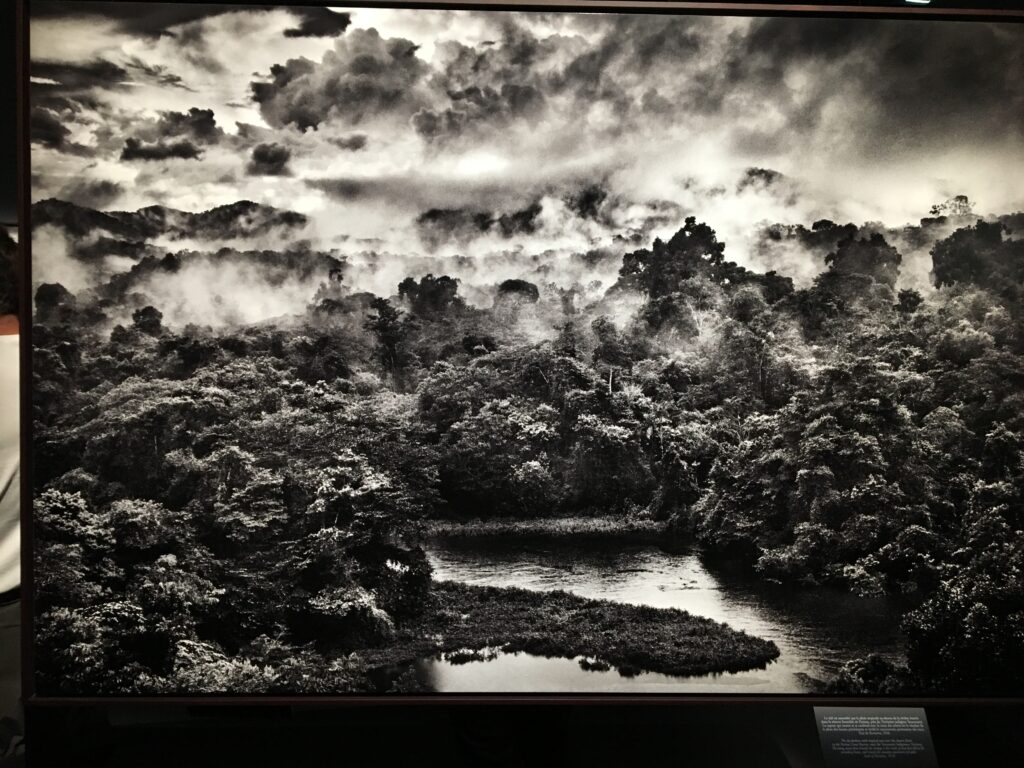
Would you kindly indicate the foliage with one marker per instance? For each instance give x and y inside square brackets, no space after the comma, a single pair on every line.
[240,509]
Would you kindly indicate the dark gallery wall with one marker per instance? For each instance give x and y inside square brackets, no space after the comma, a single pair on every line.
[8,146]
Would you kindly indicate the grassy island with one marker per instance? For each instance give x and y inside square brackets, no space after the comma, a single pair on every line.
[548,526]
[629,638]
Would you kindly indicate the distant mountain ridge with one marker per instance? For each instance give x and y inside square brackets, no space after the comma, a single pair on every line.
[242,219]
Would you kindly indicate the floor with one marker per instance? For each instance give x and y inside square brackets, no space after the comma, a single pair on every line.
[10,662]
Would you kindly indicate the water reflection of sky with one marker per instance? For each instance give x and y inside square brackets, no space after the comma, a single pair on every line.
[816,629]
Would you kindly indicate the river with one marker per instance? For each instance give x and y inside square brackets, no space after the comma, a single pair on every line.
[816,629]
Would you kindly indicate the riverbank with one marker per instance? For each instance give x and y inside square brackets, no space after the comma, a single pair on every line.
[630,638]
[548,526]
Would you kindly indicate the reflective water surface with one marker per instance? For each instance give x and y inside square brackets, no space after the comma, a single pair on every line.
[816,629]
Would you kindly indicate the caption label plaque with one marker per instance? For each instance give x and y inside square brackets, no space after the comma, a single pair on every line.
[894,737]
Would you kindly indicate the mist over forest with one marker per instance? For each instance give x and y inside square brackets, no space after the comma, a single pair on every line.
[214,406]
[748,290]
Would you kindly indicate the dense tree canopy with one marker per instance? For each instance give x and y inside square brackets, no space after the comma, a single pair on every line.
[239,508]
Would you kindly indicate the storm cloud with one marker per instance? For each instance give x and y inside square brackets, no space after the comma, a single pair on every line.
[197,124]
[94,193]
[269,160]
[157,19]
[363,76]
[352,143]
[913,83]
[758,177]
[171,135]
[319,22]
[181,150]
[157,73]
[475,105]
[68,77]
[47,130]
[434,133]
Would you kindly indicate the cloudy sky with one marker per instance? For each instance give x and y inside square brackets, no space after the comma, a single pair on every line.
[467,132]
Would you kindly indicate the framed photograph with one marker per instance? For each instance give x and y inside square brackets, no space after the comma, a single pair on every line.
[410,352]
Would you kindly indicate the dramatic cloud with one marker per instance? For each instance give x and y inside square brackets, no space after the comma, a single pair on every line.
[78,77]
[432,134]
[69,90]
[416,192]
[94,193]
[197,124]
[156,73]
[135,18]
[885,89]
[363,76]
[47,130]
[182,150]
[319,22]
[474,105]
[269,160]
[157,19]
[586,203]
[352,143]
[758,177]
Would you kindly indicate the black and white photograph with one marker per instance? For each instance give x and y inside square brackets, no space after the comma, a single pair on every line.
[406,351]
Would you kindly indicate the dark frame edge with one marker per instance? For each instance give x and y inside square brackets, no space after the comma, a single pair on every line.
[688,6]
[32,700]
[345,701]
[24,208]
